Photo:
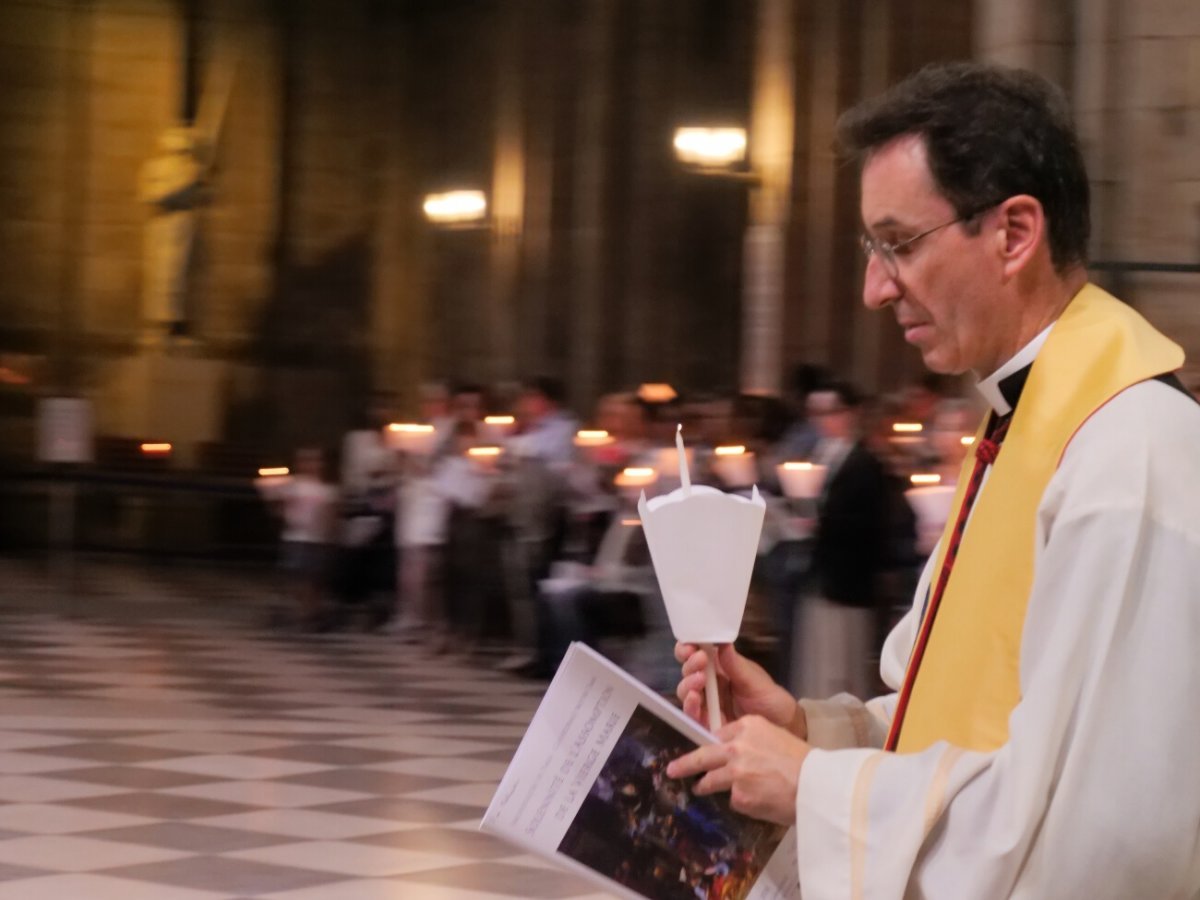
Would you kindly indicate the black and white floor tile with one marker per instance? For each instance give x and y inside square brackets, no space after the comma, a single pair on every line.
[158,742]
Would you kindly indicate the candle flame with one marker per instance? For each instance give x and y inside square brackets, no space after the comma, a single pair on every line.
[926,479]
[967,440]
[410,428]
[908,427]
[793,466]
[499,420]
[638,472]
[485,451]
[732,450]
[273,472]
[152,449]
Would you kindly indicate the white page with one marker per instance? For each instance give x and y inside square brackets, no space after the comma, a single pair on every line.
[586,790]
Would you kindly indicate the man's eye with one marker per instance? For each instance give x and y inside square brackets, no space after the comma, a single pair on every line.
[903,248]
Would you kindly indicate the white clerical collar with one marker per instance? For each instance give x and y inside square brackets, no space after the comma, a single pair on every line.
[992,389]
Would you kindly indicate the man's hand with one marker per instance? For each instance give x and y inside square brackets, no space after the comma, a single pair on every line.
[744,686]
[757,762]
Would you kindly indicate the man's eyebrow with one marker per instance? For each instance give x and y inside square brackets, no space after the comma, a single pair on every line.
[885,222]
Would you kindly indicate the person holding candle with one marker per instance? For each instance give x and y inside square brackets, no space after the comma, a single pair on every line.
[1040,736]
[307,505]
[848,552]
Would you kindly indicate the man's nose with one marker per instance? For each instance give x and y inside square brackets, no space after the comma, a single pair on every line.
[879,287]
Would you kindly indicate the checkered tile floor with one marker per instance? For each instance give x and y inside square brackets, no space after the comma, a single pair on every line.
[158,743]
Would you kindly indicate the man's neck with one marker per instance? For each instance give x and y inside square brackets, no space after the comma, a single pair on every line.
[1039,309]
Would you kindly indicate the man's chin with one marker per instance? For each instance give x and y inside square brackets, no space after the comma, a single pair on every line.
[939,365]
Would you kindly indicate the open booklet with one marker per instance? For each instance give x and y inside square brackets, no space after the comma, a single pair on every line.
[588,789]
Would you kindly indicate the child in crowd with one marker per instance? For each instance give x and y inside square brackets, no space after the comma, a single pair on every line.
[422,518]
[307,504]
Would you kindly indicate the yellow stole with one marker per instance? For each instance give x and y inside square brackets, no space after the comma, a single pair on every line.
[968,681]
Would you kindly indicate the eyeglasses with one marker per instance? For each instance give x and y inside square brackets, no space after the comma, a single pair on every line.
[888,252]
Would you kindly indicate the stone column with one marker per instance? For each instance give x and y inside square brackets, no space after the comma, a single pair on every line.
[646,357]
[507,194]
[1029,34]
[877,354]
[817,278]
[548,42]
[398,327]
[1155,174]
[1096,114]
[771,133]
[587,230]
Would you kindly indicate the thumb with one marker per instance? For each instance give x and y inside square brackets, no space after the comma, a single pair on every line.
[736,667]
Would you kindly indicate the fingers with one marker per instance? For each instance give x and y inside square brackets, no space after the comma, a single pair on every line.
[692,682]
[737,667]
[703,759]
[693,706]
[684,651]
[714,782]
[697,662]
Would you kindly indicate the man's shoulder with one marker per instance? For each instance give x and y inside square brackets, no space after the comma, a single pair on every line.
[1153,409]
[862,459]
[1142,447]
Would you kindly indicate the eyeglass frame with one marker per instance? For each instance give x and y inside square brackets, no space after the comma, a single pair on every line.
[886,251]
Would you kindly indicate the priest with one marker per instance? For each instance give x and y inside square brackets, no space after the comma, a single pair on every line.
[1040,737]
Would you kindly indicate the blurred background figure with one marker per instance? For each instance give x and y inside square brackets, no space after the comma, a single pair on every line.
[948,442]
[307,505]
[366,455]
[422,520]
[473,574]
[547,429]
[437,410]
[849,550]
[541,456]
[364,577]
[468,402]
[802,435]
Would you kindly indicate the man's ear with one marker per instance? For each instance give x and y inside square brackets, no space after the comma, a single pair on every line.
[1019,232]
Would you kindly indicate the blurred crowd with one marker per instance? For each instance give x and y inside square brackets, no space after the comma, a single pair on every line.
[497,520]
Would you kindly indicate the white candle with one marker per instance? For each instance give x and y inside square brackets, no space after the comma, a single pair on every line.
[596,438]
[411,438]
[685,479]
[710,688]
[801,480]
[736,467]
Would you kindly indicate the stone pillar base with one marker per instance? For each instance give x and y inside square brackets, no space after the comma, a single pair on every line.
[155,397]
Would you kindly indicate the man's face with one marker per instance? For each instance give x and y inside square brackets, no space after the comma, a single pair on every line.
[434,407]
[468,407]
[942,291]
[531,407]
[832,418]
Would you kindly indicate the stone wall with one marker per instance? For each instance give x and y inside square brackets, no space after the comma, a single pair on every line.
[317,278]
[1132,70]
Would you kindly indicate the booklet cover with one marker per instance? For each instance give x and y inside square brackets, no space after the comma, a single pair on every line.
[587,788]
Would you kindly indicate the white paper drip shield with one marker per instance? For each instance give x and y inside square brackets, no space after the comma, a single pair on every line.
[703,544]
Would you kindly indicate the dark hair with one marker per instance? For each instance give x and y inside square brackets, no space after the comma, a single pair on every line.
[550,388]
[849,396]
[806,378]
[990,133]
